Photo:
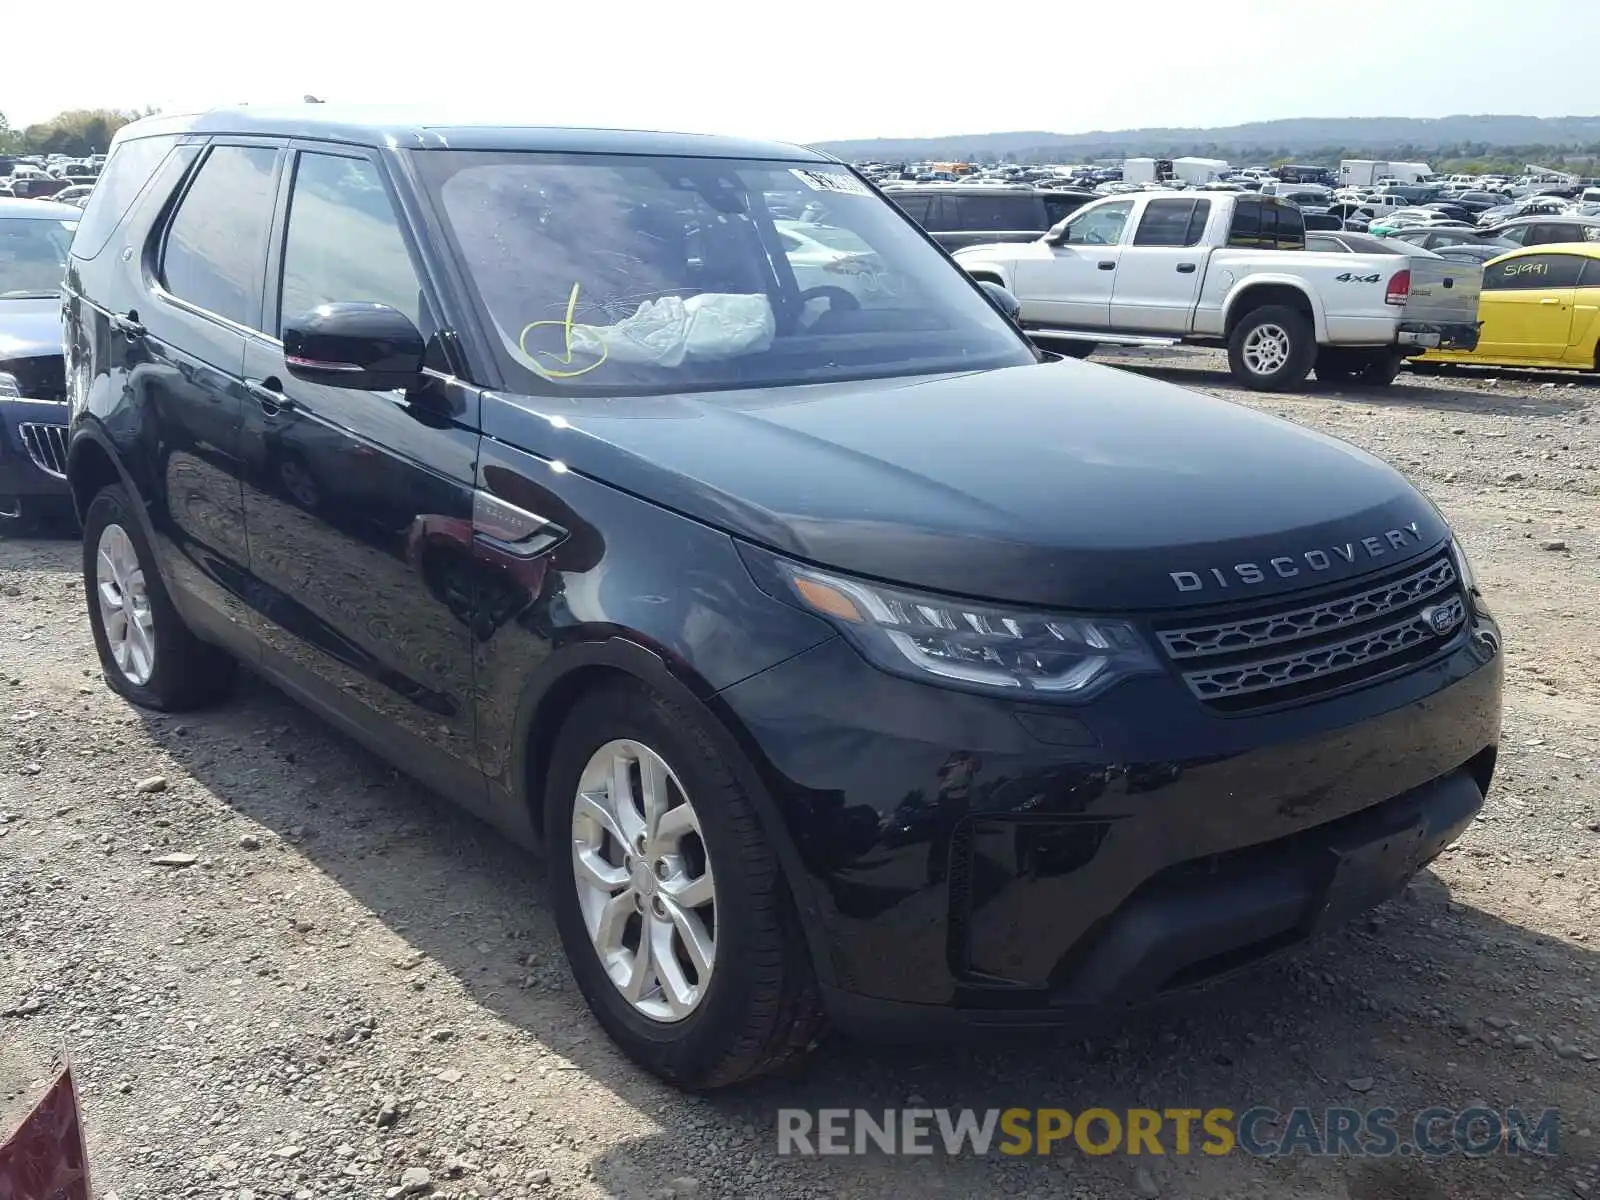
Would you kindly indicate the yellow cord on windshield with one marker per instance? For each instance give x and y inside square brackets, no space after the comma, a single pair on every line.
[566,325]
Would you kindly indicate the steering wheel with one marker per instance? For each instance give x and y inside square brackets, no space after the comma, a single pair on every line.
[839,299]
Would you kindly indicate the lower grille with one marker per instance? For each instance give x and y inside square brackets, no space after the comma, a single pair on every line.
[1295,651]
[46,445]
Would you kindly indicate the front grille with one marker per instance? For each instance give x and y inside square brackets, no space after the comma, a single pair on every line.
[46,445]
[43,377]
[1298,651]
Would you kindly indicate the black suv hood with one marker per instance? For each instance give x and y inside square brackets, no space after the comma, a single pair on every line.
[30,328]
[1062,485]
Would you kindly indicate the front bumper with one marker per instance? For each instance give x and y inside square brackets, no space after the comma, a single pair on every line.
[32,454]
[1428,336]
[978,862]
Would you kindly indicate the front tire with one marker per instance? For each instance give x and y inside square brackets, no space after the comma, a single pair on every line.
[1272,348]
[146,651]
[669,899]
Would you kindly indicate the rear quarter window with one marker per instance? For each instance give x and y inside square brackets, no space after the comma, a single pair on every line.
[977,214]
[1534,271]
[127,173]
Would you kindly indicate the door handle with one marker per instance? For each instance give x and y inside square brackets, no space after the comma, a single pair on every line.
[1550,300]
[268,393]
[1185,268]
[128,326]
[1107,266]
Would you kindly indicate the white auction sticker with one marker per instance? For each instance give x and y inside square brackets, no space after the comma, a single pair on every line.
[830,181]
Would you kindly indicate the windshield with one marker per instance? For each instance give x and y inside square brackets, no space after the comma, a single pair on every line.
[626,274]
[33,256]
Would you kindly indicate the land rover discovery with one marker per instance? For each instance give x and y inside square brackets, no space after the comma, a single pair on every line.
[851,659]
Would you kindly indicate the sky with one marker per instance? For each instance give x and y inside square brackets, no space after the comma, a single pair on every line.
[821,70]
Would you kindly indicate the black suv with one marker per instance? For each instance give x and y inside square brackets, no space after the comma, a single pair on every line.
[957,215]
[849,657]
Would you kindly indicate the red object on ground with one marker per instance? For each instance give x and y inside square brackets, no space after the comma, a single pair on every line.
[44,1157]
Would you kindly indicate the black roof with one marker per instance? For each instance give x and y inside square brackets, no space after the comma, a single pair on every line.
[986,189]
[429,130]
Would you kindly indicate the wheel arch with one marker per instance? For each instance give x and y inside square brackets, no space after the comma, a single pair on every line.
[578,668]
[990,271]
[93,464]
[1258,292]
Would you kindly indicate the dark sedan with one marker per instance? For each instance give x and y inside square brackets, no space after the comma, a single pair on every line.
[1546,230]
[34,237]
[1353,242]
[1436,239]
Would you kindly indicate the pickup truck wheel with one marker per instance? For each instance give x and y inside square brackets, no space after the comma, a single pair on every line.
[1272,349]
[1382,370]
[1334,366]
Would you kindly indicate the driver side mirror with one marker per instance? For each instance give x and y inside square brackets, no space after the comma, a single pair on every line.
[1002,299]
[1058,233]
[357,345]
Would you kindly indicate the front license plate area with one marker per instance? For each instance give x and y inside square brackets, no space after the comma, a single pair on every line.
[1367,875]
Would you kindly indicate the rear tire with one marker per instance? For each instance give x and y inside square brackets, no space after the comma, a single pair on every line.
[756,1008]
[1272,348]
[1382,370]
[1334,366]
[146,651]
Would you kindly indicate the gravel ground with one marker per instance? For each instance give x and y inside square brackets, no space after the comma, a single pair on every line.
[283,970]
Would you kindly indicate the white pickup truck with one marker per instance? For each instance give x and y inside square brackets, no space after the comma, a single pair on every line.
[1215,268]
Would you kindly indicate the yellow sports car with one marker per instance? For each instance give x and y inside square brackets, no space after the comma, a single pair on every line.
[1540,307]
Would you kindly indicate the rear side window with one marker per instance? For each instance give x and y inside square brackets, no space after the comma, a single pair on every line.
[1172,223]
[130,167]
[1591,273]
[976,214]
[915,207]
[1246,227]
[217,241]
[1545,235]
[1533,271]
[344,240]
[1283,227]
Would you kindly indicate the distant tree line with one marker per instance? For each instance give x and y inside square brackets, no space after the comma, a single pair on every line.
[80,132]
[1463,158]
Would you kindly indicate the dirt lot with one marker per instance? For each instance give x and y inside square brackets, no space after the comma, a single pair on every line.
[352,980]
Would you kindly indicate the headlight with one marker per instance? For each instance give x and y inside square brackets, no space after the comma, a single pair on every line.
[976,645]
[9,386]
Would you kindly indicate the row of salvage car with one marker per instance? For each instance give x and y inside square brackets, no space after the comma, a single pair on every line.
[1539,303]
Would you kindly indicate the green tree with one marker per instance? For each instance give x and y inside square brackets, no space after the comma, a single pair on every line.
[78,132]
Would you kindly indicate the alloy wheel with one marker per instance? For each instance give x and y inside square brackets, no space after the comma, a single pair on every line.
[125,613]
[1266,349]
[644,880]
